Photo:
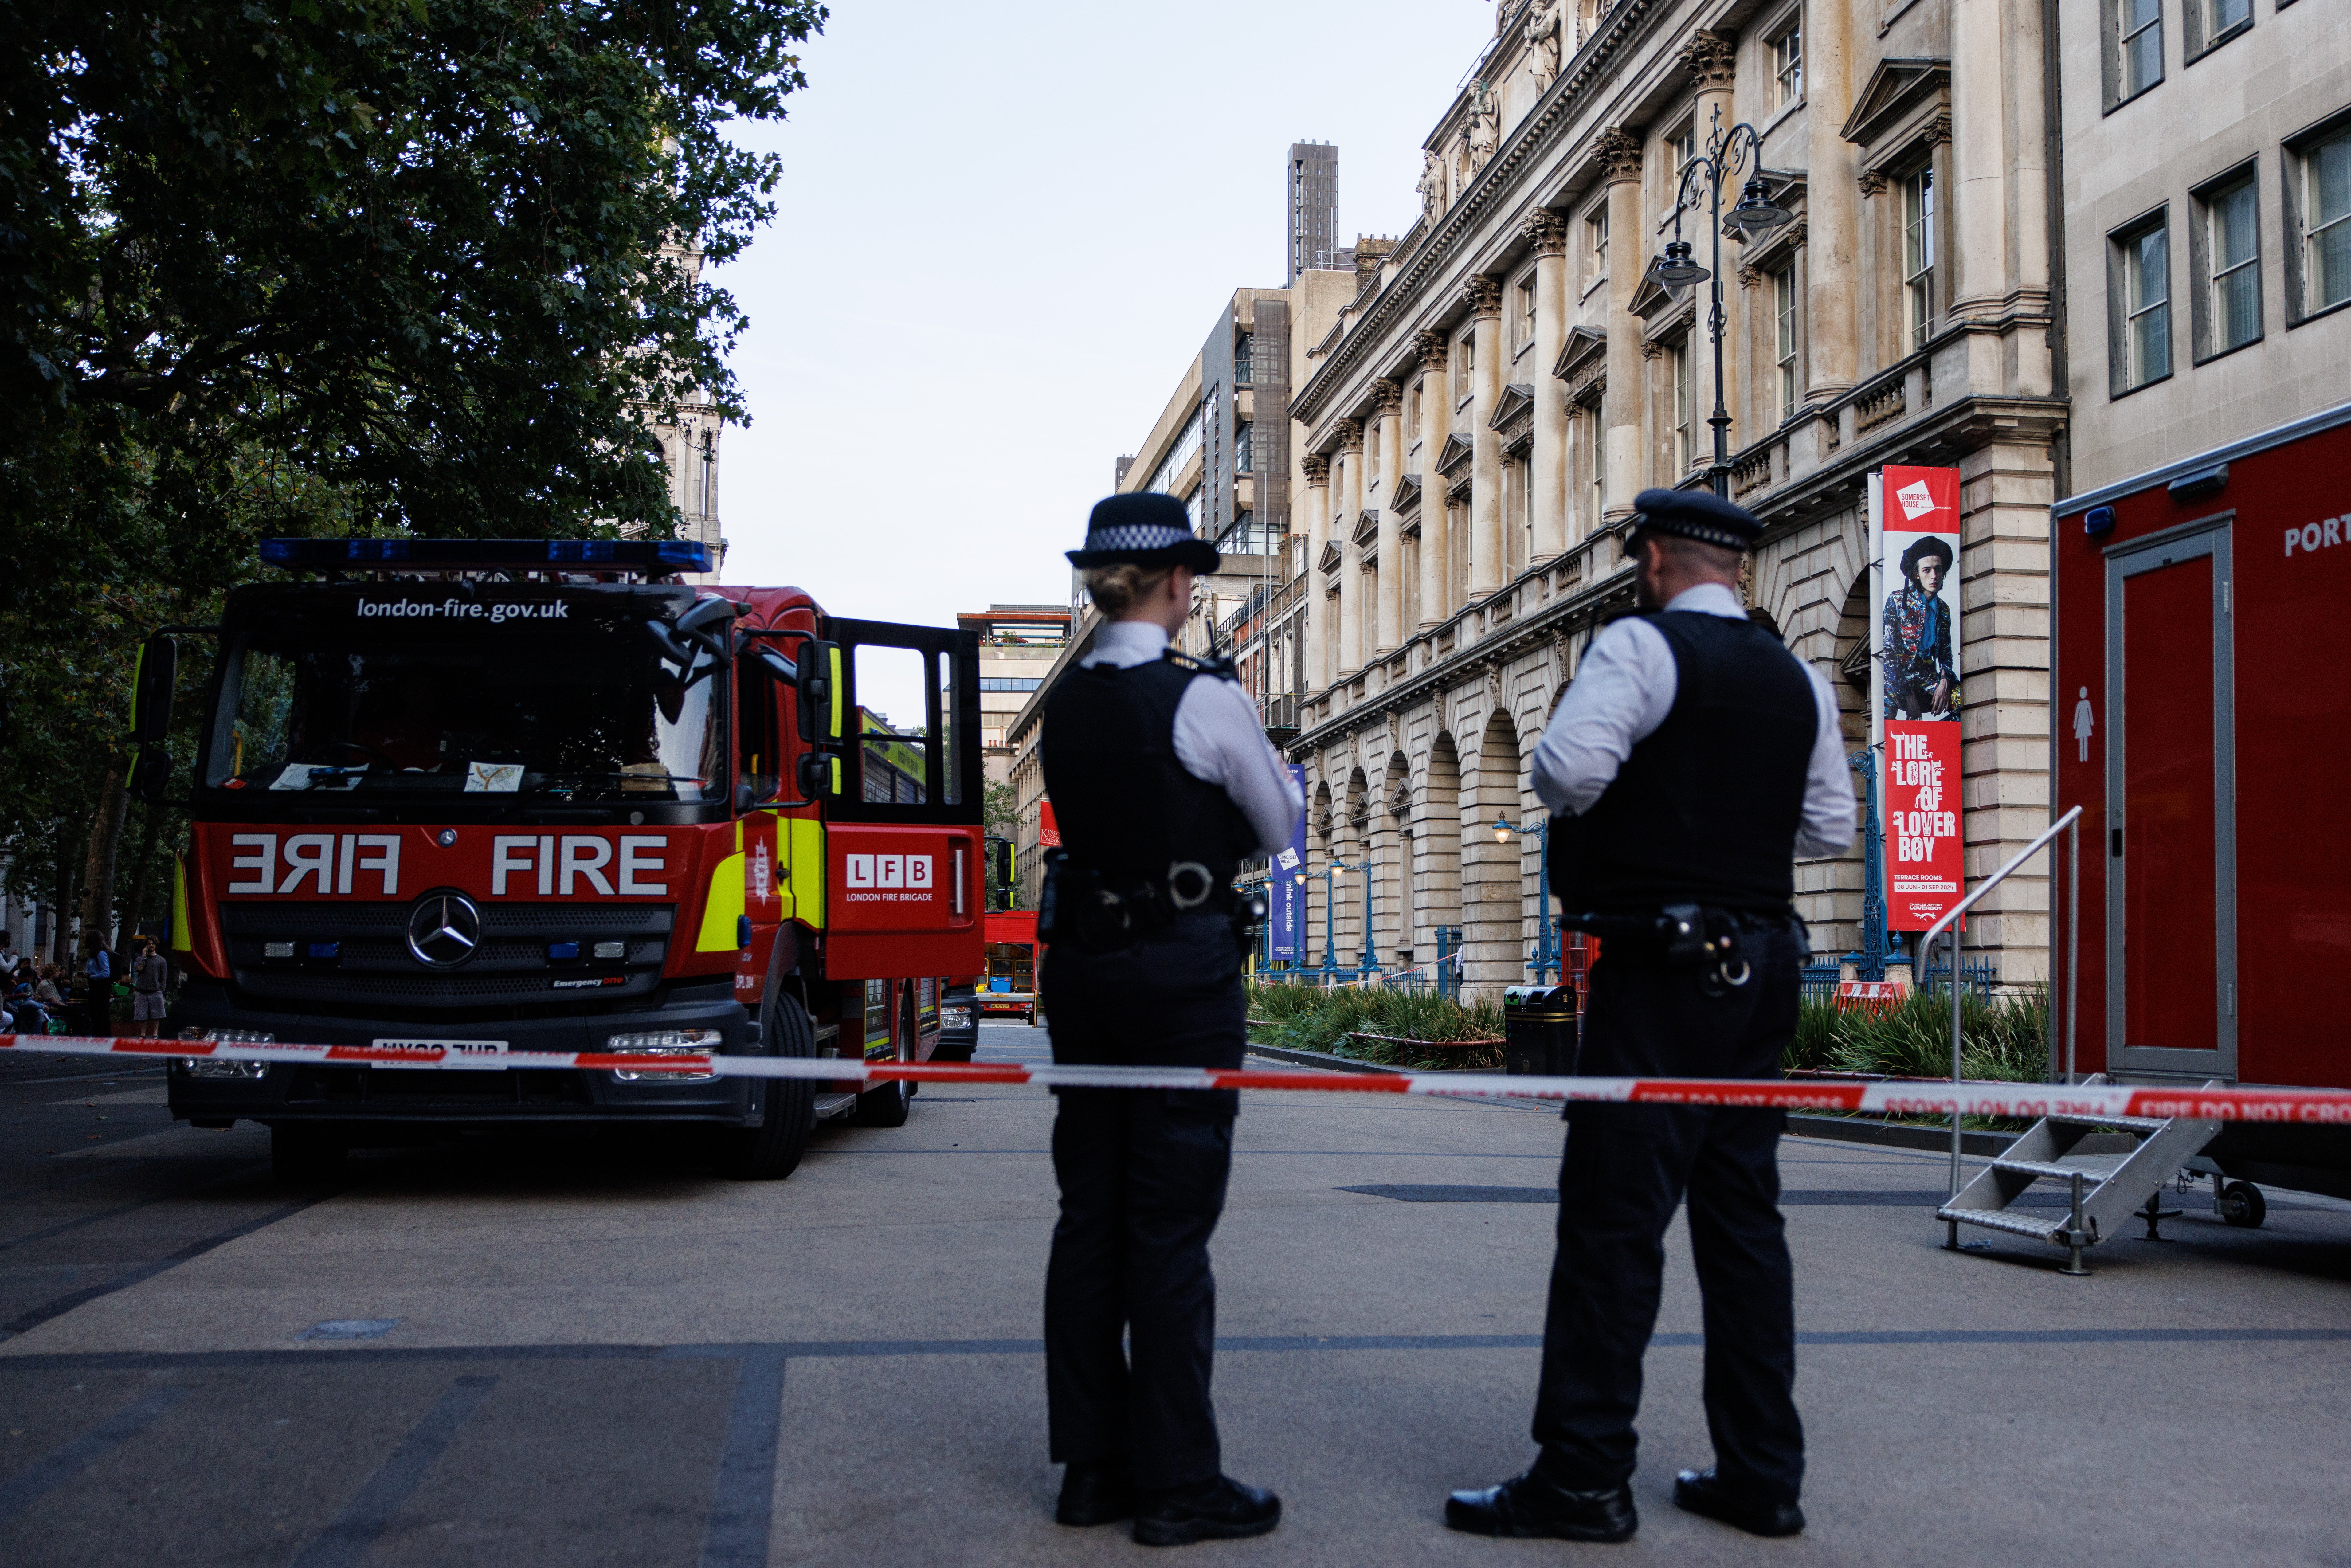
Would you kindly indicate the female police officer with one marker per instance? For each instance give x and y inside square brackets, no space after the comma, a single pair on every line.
[1161,781]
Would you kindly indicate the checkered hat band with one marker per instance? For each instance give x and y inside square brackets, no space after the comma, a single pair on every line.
[1136,536]
[1690,530]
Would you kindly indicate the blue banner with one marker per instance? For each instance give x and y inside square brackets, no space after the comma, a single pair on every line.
[1289,899]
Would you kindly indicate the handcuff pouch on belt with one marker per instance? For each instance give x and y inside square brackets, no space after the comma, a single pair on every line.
[1080,907]
[1685,936]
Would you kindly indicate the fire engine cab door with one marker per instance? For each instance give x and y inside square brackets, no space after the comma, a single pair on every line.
[2171,919]
[904,839]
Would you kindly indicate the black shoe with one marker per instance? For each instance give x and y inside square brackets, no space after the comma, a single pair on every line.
[1220,1510]
[1528,1505]
[1702,1492]
[1095,1493]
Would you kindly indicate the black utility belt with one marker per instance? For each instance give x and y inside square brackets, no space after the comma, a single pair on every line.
[1704,938]
[1084,906]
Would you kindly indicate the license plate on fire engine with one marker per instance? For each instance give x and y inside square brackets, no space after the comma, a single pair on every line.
[488,1054]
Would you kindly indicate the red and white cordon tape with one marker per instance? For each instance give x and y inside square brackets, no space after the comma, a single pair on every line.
[2319,1106]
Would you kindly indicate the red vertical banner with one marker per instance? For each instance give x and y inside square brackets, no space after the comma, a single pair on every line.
[1924,860]
[1918,699]
[1049,832]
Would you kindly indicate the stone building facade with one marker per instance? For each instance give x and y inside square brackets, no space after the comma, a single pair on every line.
[1469,435]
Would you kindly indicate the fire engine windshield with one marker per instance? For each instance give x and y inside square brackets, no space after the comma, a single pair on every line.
[407,697]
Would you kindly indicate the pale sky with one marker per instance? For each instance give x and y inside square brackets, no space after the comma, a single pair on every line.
[1004,232]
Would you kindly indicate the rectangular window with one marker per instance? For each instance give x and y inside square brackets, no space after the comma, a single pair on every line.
[1414,414]
[1680,358]
[1245,449]
[1684,149]
[1526,322]
[1784,303]
[1465,353]
[1011,683]
[1244,347]
[2138,47]
[1595,245]
[2326,222]
[1788,67]
[1919,253]
[1599,445]
[2233,254]
[2211,22]
[2142,316]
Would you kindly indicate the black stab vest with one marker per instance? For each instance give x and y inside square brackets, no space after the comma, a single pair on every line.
[1127,808]
[1706,808]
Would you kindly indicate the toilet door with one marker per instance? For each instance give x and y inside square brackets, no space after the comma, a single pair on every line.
[2171,999]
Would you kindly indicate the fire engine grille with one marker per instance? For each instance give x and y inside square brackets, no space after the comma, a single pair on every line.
[370,962]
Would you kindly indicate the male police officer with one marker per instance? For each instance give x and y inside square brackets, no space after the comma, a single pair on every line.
[1162,782]
[1693,759]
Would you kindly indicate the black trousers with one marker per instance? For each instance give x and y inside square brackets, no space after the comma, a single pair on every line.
[1130,1303]
[1625,1170]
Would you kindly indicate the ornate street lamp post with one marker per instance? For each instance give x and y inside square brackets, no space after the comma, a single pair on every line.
[1726,153]
[1366,965]
[1546,957]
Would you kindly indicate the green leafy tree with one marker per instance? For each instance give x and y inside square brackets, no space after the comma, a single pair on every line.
[330,265]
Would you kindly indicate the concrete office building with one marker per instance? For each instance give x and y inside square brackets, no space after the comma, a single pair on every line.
[1018,646]
[1469,439]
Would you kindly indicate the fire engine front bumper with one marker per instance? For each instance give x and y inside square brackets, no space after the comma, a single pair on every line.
[424,1098]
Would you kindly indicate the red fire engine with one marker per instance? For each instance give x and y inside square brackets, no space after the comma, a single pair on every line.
[2203,613]
[544,796]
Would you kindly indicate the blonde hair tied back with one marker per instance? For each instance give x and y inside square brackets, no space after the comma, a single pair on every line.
[1117,588]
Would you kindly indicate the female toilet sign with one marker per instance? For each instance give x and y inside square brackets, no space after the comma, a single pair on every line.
[1914,689]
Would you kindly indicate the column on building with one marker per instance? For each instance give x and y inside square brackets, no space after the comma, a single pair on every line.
[1711,59]
[1436,402]
[1316,468]
[1975,231]
[1484,297]
[1831,293]
[1349,501]
[1548,467]
[1387,398]
[1619,152]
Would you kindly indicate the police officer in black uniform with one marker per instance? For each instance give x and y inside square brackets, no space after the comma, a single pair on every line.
[1162,782]
[1692,760]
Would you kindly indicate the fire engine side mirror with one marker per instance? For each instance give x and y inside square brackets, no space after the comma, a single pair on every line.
[705,626]
[150,776]
[820,775]
[819,689]
[150,690]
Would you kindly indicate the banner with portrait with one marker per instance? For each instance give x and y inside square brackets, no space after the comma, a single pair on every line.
[1916,696]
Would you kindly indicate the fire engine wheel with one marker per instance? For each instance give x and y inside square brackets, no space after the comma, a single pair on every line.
[772,1150]
[887,1106]
[2242,1205]
[303,1155]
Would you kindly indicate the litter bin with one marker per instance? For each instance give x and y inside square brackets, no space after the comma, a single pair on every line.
[1539,1030]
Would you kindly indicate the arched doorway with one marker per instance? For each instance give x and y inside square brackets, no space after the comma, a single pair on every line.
[1495,885]
[1436,849]
[1351,845]
[1391,860]
[1320,935]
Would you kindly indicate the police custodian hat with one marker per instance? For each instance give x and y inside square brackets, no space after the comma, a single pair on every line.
[1698,515]
[1143,527]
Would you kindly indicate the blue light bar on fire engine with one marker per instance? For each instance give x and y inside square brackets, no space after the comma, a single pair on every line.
[656,556]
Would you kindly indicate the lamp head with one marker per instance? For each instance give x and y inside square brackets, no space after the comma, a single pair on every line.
[1755,211]
[1678,268]
[1501,830]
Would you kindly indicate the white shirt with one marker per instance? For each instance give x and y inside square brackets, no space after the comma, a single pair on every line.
[1218,736]
[1622,693]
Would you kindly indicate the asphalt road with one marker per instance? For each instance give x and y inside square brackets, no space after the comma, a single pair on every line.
[526,1354]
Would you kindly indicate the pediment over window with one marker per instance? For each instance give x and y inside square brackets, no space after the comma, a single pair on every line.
[1654,299]
[1515,400]
[1368,527]
[1456,454]
[1586,349]
[1896,90]
[1407,491]
[1329,561]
